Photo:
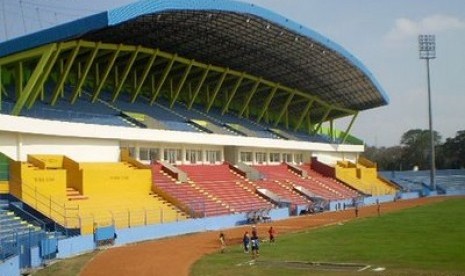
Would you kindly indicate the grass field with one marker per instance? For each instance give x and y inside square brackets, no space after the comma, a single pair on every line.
[425,240]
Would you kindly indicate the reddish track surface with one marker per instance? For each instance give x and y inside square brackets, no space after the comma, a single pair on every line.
[174,256]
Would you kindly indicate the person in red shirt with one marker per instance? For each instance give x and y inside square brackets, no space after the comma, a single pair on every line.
[271,233]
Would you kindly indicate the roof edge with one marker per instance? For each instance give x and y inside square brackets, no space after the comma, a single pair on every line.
[130,11]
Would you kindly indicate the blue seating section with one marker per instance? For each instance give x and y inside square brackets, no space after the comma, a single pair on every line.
[82,111]
[15,232]
[174,118]
[446,180]
[171,119]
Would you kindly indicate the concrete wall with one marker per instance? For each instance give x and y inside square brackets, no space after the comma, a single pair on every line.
[10,267]
[75,246]
[410,195]
[47,128]
[18,146]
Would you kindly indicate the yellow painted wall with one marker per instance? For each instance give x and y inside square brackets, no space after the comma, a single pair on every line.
[74,174]
[4,187]
[44,161]
[102,180]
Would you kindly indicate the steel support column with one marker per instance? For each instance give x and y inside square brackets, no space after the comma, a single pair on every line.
[233,92]
[267,102]
[106,73]
[199,86]
[65,73]
[304,113]
[82,79]
[217,89]
[145,73]
[33,79]
[120,80]
[163,79]
[349,127]
[249,98]
[181,83]
[286,104]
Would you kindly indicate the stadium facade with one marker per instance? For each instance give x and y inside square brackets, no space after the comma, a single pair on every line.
[145,104]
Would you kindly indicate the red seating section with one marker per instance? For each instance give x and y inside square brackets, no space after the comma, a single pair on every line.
[338,188]
[274,177]
[325,187]
[191,196]
[226,186]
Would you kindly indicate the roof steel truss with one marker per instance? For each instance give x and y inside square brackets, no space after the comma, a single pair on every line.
[137,71]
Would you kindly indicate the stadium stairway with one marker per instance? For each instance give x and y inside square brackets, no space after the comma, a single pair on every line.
[15,231]
[276,180]
[187,196]
[85,195]
[337,189]
[225,186]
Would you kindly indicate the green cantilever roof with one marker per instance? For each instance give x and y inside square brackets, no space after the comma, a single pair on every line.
[238,37]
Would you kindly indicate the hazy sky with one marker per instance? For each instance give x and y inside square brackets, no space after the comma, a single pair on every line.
[382,34]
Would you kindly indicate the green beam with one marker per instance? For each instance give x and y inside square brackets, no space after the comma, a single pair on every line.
[163,79]
[249,98]
[37,52]
[233,93]
[349,127]
[145,73]
[181,83]
[43,78]
[267,103]
[88,66]
[106,73]
[304,113]
[217,89]
[64,75]
[19,79]
[217,69]
[121,80]
[33,79]
[322,120]
[199,86]
[283,110]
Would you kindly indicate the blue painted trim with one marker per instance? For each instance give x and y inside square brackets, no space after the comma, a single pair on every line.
[55,34]
[134,10]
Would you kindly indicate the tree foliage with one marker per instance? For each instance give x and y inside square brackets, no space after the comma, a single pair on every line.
[414,150]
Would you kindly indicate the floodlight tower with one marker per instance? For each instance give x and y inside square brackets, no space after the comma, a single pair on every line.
[427,47]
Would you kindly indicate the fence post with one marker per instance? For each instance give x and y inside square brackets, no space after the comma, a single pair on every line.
[64,215]
[145,216]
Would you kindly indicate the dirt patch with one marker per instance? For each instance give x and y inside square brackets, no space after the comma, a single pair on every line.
[174,256]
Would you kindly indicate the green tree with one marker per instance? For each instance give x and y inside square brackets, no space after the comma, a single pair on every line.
[415,145]
[454,151]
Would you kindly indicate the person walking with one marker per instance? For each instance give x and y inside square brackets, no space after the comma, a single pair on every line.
[222,242]
[246,241]
[255,245]
[271,234]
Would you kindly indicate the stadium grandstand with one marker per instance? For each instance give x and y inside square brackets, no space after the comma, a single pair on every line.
[161,114]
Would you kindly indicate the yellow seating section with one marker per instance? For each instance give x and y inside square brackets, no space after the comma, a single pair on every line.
[113,193]
[363,176]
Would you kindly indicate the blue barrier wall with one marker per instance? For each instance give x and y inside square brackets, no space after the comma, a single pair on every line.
[10,266]
[410,195]
[74,246]
[36,260]
[136,234]
[373,199]
[455,192]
